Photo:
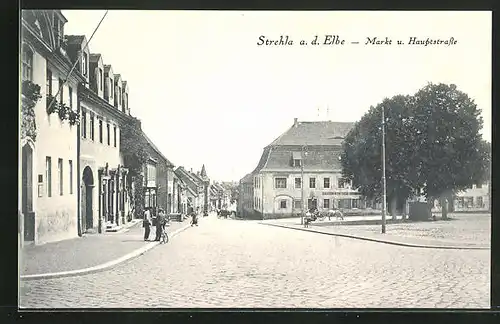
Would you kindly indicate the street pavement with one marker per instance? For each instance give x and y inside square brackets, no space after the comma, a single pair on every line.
[229,263]
[85,252]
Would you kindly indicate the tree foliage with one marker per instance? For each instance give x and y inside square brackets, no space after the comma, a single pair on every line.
[31,95]
[433,143]
[135,155]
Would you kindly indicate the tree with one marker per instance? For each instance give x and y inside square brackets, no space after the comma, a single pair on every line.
[362,153]
[135,154]
[433,144]
[451,153]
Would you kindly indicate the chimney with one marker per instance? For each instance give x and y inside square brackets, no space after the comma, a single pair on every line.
[295,123]
[191,170]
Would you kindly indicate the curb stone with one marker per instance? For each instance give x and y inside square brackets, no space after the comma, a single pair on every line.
[425,246]
[101,267]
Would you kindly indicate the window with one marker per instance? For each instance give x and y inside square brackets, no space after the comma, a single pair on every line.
[27,63]
[479,185]
[84,64]
[114,135]
[312,182]
[298,183]
[92,118]
[469,202]
[70,163]
[111,88]
[356,203]
[119,95]
[280,183]
[61,91]
[48,175]
[326,203]
[61,179]
[296,162]
[49,82]
[283,204]
[108,134]
[460,202]
[297,204]
[326,183]
[101,81]
[70,97]
[100,131]
[479,202]
[84,124]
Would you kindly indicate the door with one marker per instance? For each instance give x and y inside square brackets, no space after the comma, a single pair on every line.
[27,193]
[312,203]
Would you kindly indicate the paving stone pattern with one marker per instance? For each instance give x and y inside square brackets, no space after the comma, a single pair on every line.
[88,251]
[228,263]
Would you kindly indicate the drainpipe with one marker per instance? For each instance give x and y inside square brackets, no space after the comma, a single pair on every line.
[78,180]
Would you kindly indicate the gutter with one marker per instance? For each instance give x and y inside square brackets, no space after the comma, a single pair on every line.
[78,179]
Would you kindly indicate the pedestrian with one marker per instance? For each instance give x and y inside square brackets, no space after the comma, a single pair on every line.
[160,224]
[194,218]
[146,223]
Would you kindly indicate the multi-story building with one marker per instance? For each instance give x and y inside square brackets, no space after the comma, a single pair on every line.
[104,192]
[475,199]
[48,161]
[156,179]
[246,197]
[195,188]
[302,168]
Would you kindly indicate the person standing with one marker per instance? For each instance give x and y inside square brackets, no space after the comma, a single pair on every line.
[146,223]
[160,223]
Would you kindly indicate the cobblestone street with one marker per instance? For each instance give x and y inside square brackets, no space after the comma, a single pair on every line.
[230,263]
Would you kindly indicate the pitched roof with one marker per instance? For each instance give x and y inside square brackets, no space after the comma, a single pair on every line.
[314,133]
[185,176]
[247,179]
[156,149]
[107,67]
[94,57]
[316,158]
[75,39]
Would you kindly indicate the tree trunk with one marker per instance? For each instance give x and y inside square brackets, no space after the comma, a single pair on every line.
[444,207]
[430,204]
[392,206]
[405,210]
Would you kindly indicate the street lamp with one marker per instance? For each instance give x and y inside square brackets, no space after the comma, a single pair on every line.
[384,200]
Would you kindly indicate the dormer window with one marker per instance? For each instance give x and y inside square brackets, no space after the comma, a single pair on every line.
[296,159]
[58,30]
[27,63]
[84,64]
[111,92]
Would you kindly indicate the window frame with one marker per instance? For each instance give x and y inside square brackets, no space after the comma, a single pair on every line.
[326,203]
[300,183]
[283,202]
[84,123]
[27,53]
[100,131]
[312,180]
[60,176]
[325,183]
[108,133]
[92,126]
[48,175]
[70,165]
[114,135]
[276,179]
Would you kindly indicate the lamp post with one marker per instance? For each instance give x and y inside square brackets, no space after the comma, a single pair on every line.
[384,199]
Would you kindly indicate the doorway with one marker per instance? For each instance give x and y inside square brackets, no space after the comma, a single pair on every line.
[27,193]
[87,202]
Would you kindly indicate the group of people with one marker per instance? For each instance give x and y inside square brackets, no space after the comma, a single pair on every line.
[161,221]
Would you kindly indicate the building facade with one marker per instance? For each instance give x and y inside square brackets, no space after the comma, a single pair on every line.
[475,199]
[246,197]
[48,162]
[302,168]
[104,186]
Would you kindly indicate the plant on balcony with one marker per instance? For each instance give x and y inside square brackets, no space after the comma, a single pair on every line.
[63,111]
[31,95]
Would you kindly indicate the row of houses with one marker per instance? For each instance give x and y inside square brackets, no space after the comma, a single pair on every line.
[72,172]
[302,168]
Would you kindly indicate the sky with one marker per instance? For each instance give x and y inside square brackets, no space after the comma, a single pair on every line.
[206,93]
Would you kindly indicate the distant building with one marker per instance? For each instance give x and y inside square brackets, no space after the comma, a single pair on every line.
[246,197]
[474,199]
[315,148]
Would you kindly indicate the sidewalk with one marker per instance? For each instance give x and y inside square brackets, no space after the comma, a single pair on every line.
[91,250]
[402,234]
